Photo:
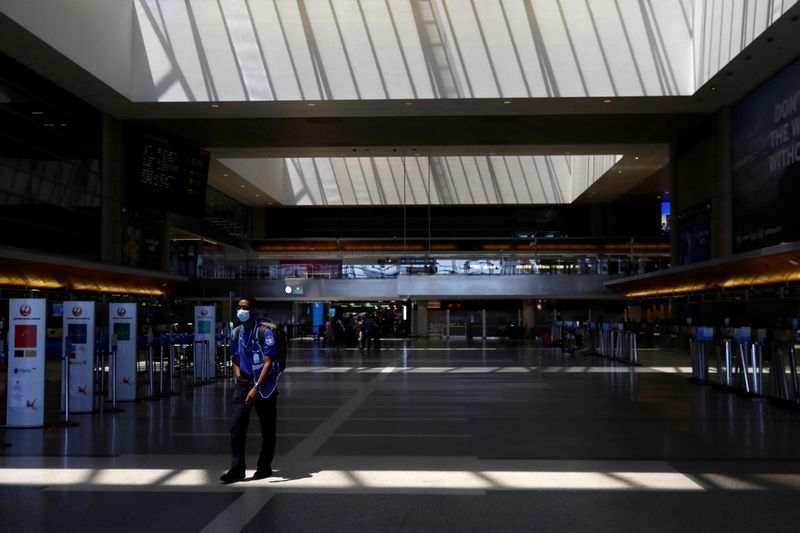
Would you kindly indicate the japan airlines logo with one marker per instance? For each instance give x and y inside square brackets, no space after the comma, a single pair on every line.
[25,309]
[77,311]
[204,312]
[121,311]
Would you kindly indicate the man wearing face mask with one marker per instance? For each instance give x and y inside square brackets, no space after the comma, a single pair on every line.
[252,350]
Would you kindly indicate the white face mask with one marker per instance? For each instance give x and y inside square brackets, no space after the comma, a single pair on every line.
[243,315]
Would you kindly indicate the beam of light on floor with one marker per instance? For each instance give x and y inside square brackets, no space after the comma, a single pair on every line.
[374,479]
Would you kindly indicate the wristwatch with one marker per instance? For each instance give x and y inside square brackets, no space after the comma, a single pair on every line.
[258,386]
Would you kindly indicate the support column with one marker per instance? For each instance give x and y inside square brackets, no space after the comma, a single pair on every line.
[112,172]
[722,206]
[527,317]
[421,318]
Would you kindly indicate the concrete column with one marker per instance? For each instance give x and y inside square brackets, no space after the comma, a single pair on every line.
[112,172]
[483,324]
[674,203]
[527,316]
[258,223]
[421,318]
[722,206]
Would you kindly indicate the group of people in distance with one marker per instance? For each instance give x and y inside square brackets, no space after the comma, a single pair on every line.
[364,330]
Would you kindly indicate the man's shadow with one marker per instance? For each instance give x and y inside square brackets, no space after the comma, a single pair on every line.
[292,473]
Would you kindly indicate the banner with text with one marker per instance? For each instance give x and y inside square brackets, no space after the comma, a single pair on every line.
[79,347]
[122,337]
[765,132]
[26,356]
[205,320]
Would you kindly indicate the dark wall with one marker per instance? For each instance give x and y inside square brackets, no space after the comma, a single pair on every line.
[461,221]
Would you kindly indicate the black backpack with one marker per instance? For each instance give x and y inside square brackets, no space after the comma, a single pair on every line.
[281,344]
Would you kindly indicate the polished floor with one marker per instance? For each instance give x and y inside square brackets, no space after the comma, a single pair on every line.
[425,435]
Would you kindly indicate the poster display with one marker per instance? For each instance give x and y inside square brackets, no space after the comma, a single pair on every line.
[26,356]
[78,343]
[765,130]
[205,320]
[122,337]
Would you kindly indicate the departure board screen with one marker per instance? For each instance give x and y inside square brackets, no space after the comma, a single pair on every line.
[168,175]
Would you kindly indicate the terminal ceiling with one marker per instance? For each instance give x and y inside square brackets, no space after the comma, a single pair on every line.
[377,102]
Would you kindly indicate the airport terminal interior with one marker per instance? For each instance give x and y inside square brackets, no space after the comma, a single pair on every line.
[534,265]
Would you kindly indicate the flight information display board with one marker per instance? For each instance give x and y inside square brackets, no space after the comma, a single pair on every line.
[168,175]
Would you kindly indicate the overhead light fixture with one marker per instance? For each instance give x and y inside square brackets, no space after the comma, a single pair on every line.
[793,262]
[37,112]
[409,103]
[311,104]
[215,106]
[243,186]
[258,196]
[637,157]
[506,102]
[607,101]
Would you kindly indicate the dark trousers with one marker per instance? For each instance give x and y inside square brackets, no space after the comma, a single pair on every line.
[240,418]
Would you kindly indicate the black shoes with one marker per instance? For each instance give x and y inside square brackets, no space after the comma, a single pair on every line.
[231,477]
[262,474]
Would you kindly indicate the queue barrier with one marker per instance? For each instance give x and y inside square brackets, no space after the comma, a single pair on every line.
[787,390]
[613,342]
[747,365]
[606,340]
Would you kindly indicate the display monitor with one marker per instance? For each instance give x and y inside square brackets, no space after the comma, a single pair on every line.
[167,175]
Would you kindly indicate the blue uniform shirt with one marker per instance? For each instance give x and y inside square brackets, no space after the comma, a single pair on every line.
[249,352]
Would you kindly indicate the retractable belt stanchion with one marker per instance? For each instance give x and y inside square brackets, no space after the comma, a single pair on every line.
[97,369]
[742,338]
[698,345]
[113,363]
[226,353]
[67,423]
[728,346]
[100,348]
[150,371]
[207,361]
[633,350]
[793,369]
[197,357]
[757,368]
[604,338]
[777,372]
[161,370]
[170,369]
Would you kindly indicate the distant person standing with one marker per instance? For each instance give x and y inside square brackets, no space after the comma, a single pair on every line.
[368,328]
[252,350]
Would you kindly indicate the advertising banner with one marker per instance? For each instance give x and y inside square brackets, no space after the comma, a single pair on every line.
[765,131]
[205,320]
[122,337]
[26,353]
[79,346]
